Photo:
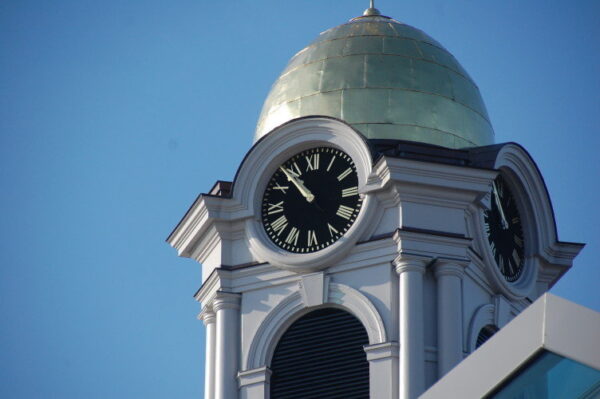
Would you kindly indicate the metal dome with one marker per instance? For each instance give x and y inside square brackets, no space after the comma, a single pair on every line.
[386,79]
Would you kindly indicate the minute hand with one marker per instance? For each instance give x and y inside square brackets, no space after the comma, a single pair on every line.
[299,185]
[499,205]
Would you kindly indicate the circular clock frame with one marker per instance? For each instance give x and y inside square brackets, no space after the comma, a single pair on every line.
[275,149]
[518,284]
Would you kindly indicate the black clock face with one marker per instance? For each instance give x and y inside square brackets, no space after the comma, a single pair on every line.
[311,200]
[505,231]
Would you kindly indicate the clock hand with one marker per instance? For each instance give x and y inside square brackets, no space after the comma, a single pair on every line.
[299,185]
[499,205]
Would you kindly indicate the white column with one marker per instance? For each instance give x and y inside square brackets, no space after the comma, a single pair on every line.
[208,317]
[227,309]
[449,316]
[412,347]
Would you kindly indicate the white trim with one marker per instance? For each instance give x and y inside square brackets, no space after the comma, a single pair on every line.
[292,307]
[546,325]
[274,149]
[483,316]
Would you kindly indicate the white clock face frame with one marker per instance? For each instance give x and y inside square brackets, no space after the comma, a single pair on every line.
[259,172]
[507,239]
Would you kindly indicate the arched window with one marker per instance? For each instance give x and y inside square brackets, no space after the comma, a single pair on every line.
[485,333]
[321,355]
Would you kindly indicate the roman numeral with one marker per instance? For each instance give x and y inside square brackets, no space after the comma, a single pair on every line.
[332,230]
[275,208]
[312,162]
[518,241]
[345,212]
[281,188]
[279,224]
[349,192]
[516,257]
[344,174]
[331,163]
[294,170]
[292,236]
[515,220]
[312,238]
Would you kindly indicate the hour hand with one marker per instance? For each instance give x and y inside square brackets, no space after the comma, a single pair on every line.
[299,185]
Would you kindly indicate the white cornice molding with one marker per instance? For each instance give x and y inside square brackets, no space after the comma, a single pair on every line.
[432,245]
[218,280]
[293,307]
[453,179]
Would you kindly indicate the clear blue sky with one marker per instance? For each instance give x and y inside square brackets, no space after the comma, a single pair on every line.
[114,115]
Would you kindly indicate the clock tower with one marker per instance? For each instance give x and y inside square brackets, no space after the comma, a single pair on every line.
[374,235]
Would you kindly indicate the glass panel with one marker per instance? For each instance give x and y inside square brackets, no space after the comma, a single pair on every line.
[551,376]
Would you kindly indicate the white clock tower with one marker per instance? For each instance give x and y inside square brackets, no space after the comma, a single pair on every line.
[374,235]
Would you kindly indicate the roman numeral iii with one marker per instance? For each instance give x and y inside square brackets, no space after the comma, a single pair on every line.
[345,212]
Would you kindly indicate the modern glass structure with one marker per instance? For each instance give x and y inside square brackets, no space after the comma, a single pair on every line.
[550,351]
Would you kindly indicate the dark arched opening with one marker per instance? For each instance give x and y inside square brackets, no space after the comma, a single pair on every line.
[485,333]
[321,355]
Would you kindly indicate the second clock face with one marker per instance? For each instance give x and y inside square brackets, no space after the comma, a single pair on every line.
[505,231]
[311,200]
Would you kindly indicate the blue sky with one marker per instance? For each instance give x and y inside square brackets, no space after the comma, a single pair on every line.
[114,115]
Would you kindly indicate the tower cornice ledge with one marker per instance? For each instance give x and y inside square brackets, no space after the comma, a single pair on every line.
[426,244]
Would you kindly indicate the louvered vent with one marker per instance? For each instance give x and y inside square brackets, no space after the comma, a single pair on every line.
[321,356]
[485,333]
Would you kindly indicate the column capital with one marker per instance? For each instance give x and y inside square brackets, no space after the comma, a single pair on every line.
[410,263]
[207,315]
[449,268]
[226,300]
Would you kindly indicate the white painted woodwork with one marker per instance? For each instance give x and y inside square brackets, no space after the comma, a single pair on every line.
[415,268]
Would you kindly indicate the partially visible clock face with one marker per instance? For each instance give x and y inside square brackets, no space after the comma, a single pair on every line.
[505,231]
[311,200]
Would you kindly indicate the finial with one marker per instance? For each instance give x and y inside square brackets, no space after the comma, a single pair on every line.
[371,11]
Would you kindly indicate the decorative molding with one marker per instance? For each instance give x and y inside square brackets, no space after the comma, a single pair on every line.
[260,375]
[313,288]
[226,300]
[293,307]
[404,264]
[421,244]
[449,268]
[384,350]
[484,315]
[207,315]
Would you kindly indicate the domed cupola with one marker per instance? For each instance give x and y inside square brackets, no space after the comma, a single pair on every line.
[386,79]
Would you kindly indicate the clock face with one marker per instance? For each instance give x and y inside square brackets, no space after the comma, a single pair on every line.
[505,231]
[311,200]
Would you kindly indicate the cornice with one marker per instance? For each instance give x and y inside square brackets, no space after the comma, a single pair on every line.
[388,170]
[432,244]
